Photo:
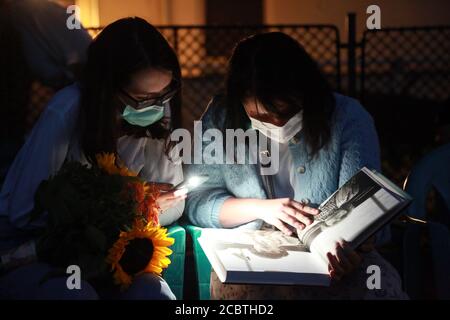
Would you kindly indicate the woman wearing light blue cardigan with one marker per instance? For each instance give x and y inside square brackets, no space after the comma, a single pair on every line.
[324,140]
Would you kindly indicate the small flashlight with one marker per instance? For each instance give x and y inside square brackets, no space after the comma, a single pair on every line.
[192,183]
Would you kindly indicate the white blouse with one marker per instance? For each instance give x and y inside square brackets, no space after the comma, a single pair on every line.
[54,139]
[284,181]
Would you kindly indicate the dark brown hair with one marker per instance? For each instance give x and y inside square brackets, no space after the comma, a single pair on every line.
[120,50]
[273,68]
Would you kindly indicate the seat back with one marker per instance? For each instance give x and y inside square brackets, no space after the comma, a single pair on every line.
[426,261]
[174,274]
[202,265]
[426,246]
[432,173]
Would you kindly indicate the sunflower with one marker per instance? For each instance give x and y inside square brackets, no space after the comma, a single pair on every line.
[144,195]
[108,163]
[141,250]
[149,207]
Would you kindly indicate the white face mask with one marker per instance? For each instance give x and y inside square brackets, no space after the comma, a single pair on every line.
[280,134]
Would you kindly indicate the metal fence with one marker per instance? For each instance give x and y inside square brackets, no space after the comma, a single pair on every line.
[203,52]
[404,83]
[407,62]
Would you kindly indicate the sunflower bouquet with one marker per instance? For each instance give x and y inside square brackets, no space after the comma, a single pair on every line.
[104,219]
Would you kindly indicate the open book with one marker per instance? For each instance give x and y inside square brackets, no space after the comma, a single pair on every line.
[357,210]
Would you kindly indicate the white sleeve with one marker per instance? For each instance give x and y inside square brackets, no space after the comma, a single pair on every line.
[41,156]
[159,168]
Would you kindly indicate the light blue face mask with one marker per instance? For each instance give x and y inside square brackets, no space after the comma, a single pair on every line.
[143,117]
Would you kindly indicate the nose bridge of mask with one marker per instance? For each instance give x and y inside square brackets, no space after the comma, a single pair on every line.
[295,120]
[283,133]
[269,130]
[143,117]
[267,125]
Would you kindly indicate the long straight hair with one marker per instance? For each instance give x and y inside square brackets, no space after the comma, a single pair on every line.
[119,51]
[273,68]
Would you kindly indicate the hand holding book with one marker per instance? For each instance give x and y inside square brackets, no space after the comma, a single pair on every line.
[286,214]
[344,261]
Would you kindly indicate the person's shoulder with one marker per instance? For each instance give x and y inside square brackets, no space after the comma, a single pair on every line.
[65,102]
[349,109]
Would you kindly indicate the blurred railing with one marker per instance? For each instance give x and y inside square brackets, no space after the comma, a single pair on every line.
[412,62]
[404,83]
[203,52]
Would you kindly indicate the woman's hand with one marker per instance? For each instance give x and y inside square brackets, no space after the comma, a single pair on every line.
[286,212]
[344,261]
[169,198]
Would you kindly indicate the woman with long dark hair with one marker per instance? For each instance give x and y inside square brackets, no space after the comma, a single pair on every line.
[127,104]
[276,88]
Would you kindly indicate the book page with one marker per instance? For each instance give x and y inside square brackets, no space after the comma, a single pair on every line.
[363,219]
[389,185]
[262,256]
[357,208]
